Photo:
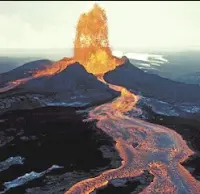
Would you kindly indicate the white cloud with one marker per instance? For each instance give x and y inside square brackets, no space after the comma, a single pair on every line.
[131,24]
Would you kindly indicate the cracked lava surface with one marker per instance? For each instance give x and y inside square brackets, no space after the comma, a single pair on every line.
[159,150]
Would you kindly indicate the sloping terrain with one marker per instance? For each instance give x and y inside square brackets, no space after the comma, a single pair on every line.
[73,86]
[72,83]
[24,70]
[179,66]
[191,78]
[153,86]
[7,63]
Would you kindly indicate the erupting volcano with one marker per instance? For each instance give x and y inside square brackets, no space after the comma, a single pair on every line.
[91,49]
[91,46]
[159,150]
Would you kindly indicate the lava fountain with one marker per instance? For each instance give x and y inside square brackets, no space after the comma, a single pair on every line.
[159,150]
[91,45]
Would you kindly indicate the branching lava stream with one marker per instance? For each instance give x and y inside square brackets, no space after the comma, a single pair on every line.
[159,150]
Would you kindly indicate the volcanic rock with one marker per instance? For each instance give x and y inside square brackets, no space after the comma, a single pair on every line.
[73,84]
[24,71]
[47,150]
[152,86]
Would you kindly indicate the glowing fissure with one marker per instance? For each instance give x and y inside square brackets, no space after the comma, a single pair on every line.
[160,150]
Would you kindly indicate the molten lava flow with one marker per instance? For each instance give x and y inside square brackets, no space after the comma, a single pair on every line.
[55,68]
[160,150]
[91,46]
[126,102]
[15,83]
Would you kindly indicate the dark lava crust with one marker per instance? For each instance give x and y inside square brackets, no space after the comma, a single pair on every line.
[52,136]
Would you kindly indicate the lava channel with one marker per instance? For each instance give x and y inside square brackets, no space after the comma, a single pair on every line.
[159,150]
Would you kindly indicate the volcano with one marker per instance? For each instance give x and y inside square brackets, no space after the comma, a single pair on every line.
[74,83]
[90,76]
[69,81]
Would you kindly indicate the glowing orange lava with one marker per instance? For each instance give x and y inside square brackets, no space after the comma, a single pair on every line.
[160,150]
[55,68]
[91,46]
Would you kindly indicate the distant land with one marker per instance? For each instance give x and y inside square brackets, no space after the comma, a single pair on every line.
[179,65]
[68,52]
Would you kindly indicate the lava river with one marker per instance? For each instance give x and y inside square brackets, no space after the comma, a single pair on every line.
[142,145]
[159,150]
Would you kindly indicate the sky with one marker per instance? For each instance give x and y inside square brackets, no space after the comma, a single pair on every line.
[132,24]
